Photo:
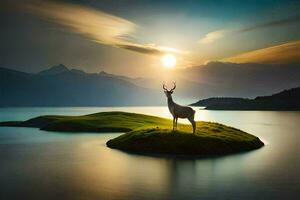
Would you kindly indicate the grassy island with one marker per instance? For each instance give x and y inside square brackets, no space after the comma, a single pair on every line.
[211,139]
[150,134]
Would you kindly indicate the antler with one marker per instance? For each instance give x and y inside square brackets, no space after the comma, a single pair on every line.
[164,87]
[173,86]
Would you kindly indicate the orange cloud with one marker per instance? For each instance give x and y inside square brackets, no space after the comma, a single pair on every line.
[279,54]
[95,25]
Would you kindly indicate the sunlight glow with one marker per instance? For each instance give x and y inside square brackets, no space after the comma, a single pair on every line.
[168,61]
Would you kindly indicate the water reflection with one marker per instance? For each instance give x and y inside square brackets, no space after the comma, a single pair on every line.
[45,165]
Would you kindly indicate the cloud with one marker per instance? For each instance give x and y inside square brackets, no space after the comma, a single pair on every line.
[216,35]
[150,49]
[280,22]
[279,54]
[212,37]
[93,24]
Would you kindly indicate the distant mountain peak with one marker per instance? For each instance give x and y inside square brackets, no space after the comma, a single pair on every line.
[103,73]
[56,69]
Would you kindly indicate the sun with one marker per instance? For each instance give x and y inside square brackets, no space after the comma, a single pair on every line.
[168,61]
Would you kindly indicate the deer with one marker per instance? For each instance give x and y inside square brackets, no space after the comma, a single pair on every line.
[177,110]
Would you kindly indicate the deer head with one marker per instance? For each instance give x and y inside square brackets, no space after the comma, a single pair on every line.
[169,92]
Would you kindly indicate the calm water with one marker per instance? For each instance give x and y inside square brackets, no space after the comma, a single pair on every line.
[46,165]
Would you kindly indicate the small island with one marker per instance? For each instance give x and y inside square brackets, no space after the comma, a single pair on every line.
[151,135]
[287,100]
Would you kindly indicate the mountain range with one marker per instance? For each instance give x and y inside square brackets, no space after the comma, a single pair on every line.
[62,86]
[219,79]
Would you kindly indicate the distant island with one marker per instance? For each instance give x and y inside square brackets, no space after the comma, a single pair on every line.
[151,135]
[285,101]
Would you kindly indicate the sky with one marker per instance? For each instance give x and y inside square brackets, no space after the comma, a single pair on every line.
[129,37]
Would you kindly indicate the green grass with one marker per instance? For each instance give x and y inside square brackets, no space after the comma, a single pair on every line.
[98,122]
[149,134]
[211,139]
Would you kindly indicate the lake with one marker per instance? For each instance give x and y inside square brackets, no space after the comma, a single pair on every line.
[46,165]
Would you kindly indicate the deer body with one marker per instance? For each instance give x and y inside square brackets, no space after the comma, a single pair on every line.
[179,111]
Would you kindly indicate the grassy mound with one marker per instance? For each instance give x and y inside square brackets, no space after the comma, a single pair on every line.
[98,122]
[151,135]
[210,140]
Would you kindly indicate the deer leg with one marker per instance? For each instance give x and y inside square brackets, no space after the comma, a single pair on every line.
[173,123]
[176,119]
[191,119]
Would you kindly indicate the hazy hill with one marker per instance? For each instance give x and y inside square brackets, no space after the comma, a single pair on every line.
[285,100]
[54,70]
[242,80]
[59,86]
[217,79]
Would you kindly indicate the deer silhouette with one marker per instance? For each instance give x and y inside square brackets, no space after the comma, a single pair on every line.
[179,111]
